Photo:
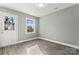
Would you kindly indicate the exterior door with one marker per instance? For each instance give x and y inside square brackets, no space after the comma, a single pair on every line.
[9,29]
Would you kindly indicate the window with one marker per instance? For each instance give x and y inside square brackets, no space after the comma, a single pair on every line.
[30,25]
[9,23]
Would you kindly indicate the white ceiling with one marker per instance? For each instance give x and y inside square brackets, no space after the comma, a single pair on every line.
[33,9]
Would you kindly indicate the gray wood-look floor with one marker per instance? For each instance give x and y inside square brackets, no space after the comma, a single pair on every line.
[47,48]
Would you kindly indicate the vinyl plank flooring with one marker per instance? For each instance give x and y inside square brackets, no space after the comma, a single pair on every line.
[46,47]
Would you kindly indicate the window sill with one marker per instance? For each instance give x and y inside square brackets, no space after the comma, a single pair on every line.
[30,33]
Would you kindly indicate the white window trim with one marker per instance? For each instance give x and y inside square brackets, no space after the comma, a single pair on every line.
[26,26]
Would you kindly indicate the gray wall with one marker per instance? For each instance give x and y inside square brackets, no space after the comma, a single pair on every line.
[21,23]
[62,26]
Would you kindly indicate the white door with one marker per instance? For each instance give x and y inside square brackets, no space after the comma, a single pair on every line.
[9,32]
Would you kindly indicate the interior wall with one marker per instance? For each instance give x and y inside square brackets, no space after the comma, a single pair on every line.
[62,26]
[21,23]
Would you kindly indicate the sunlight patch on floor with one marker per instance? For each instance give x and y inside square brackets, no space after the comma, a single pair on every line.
[34,50]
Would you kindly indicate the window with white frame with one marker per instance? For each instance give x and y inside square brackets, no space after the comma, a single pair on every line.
[30,25]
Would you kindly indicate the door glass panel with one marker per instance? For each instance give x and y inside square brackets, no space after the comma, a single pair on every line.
[9,23]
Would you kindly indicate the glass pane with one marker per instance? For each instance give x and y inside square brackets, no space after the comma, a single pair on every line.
[8,23]
[30,26]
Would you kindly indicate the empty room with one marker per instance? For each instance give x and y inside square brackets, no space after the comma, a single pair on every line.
[39,29]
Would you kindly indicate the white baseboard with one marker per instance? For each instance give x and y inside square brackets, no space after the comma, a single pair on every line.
[20,41]
[66,44]
[26,40]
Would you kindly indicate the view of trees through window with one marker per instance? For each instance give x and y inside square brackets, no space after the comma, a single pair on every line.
[30,25]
